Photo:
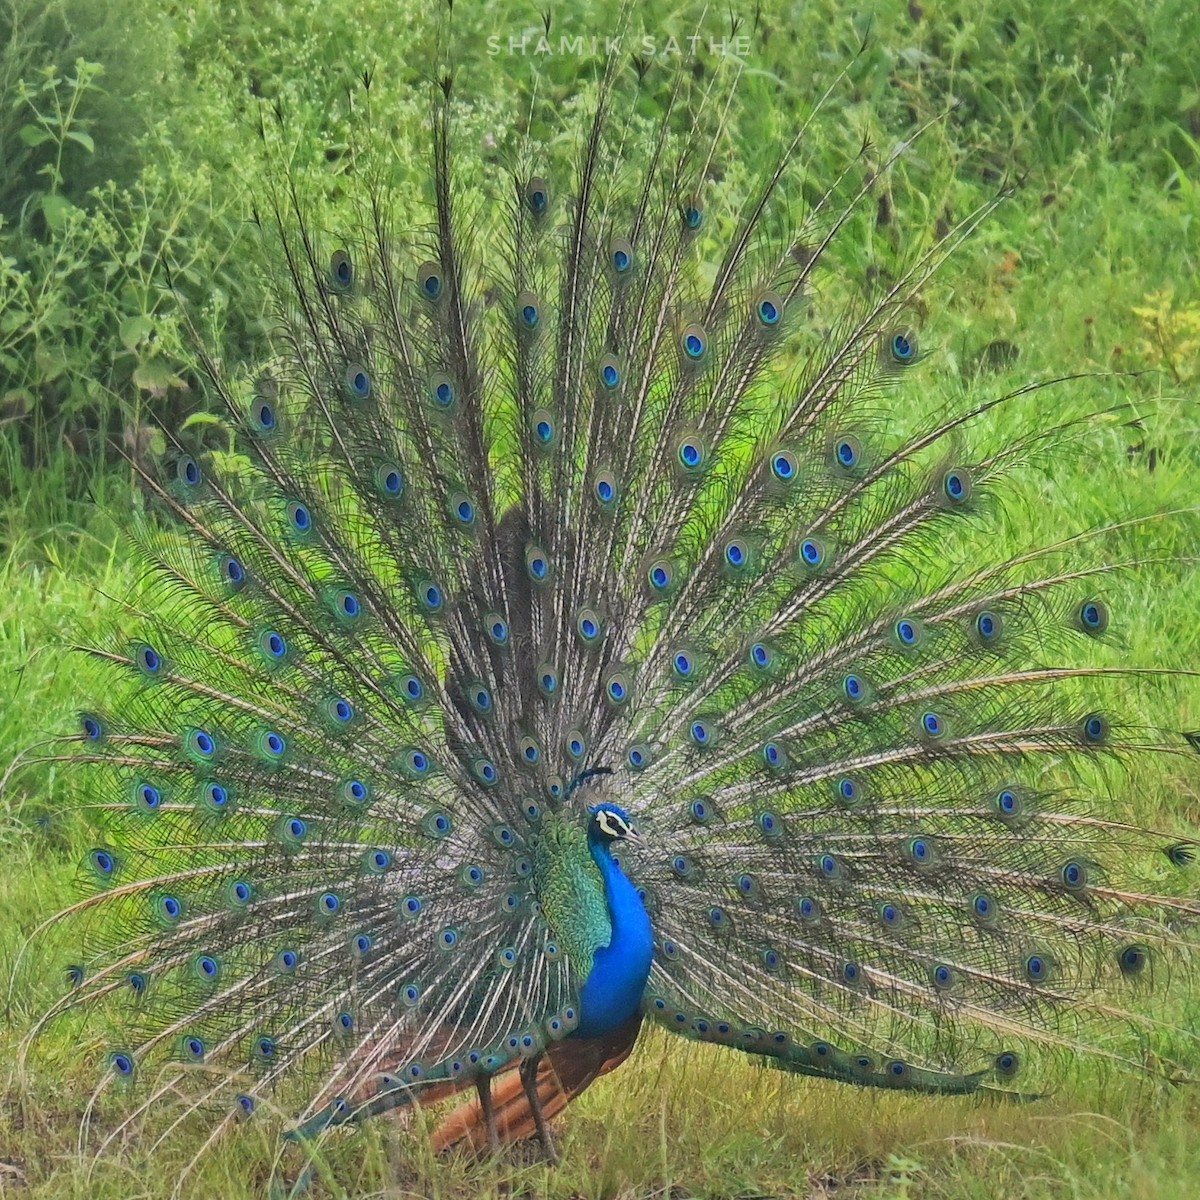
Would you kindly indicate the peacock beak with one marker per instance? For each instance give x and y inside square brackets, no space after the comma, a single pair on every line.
[635,837]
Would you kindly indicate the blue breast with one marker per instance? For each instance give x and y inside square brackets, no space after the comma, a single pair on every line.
[614,988]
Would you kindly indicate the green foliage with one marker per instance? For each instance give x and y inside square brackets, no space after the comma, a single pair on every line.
[55,122]
[131,148]
[128,50]
[90,336]
[1170,336]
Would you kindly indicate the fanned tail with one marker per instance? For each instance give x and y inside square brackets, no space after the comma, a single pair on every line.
[505,517]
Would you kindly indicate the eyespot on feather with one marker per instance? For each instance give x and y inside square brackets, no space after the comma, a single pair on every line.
[609,373]
[621,258]
[588,627]
[693,343]
[660,577]
[604,488]
[264,417]
[955,486]
[537,565]
[543,429]
[188,476]
[443,392]
[356,383]
[691,453]
[812,554]
[617,689]
[898,348]
[528,312]
[430,281]
[1092,617]
[767,309]
[536,196]
[785,467]
[462,510]
[341,271]
[846,454]
[987,627]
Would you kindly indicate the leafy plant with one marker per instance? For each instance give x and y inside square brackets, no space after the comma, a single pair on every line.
[55,122]
[1170,335]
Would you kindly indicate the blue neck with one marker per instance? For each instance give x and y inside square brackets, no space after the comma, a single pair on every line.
[613,989]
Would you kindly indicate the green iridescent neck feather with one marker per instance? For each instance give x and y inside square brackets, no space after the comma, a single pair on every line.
[570,889]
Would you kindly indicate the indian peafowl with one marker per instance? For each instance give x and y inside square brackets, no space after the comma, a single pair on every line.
[572,644]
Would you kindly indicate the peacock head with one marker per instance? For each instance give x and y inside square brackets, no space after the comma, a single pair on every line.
[609,822]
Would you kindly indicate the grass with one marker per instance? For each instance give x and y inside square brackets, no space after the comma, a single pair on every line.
[681,1121]
[1108,216]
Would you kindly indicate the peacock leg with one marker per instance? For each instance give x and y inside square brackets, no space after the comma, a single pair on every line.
[529,1076]
[483,1085]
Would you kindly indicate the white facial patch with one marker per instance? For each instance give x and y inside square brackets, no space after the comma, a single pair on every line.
[613,824]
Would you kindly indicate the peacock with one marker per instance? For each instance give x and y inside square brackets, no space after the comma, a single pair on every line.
[576,636]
